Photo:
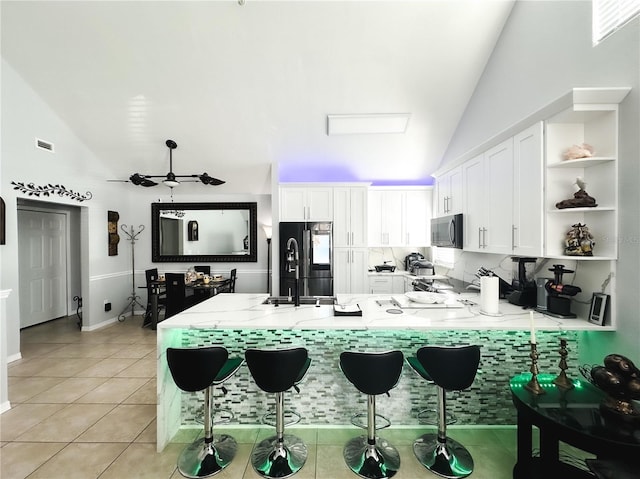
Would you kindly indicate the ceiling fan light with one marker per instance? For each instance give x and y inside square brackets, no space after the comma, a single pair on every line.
[171,183]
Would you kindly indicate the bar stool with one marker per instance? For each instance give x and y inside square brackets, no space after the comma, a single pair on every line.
[451,369]
[276,371]
[428,416]
[372,374]
[193,370]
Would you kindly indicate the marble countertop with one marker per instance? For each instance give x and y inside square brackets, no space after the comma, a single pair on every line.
[246,311]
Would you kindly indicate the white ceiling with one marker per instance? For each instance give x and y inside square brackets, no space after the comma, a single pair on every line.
[241,88]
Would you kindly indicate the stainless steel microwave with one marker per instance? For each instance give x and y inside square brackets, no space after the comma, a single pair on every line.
[446,231]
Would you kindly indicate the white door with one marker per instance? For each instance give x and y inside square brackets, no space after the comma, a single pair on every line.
[43,266]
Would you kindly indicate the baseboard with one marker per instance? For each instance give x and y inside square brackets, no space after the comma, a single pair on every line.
[5,406]
[14,357]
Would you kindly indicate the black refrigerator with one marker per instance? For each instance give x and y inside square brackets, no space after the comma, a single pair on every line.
[315,250]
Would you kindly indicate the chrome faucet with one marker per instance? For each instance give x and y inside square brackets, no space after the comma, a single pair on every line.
[293,264]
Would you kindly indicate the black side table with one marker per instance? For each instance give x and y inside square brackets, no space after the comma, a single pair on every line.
[572,416]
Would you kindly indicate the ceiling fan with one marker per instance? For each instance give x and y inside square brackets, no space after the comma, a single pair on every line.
[171,179]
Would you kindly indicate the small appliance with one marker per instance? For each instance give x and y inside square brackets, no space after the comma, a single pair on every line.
[422,267]
[558,302]
[523,283]
[446,231]
[410,258]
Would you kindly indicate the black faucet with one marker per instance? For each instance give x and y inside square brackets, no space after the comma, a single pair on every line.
[293,260]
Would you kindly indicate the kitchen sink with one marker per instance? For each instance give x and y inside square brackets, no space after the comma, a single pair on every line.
[314,300]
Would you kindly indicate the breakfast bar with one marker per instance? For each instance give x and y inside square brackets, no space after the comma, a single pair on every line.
[239,321]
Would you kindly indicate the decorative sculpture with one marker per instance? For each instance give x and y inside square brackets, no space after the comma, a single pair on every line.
[579,241]
[581,198]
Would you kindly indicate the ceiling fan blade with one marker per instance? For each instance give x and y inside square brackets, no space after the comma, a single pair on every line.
[209,180]
[141,180]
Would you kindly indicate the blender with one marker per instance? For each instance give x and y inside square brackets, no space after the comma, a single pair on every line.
[522,281]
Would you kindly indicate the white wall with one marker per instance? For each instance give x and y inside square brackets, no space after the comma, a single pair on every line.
[544,51]
[26,117]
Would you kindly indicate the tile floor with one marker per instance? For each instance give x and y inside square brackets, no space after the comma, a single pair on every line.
[83,406]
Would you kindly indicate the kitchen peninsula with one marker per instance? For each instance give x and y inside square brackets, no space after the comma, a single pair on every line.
[239,321]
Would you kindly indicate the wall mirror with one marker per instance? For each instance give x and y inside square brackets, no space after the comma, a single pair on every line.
[204,232]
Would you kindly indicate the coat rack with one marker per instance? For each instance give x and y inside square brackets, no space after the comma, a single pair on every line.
[132,236]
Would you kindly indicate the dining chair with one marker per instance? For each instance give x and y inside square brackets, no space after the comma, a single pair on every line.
[232,281]
[151,275]
[177,298]
[206,269]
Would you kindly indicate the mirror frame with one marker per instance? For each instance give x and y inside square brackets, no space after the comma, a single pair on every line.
[156,257]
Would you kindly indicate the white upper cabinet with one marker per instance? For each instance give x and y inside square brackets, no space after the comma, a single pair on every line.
[503,197]
[527,192]
[448,199]
[386,210]
[350,270]
[306,203]
[400,216]
[418,207]
[350,216]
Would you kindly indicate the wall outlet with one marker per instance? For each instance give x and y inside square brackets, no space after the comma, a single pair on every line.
[107,305]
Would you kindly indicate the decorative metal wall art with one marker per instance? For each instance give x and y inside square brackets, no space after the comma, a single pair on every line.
[112,227]
[50,189]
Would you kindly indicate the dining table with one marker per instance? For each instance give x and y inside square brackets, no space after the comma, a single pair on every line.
[214,286]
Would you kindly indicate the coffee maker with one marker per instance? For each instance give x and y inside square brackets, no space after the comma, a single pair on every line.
[522,281]
[558,302]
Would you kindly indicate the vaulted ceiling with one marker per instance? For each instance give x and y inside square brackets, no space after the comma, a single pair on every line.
[246,88]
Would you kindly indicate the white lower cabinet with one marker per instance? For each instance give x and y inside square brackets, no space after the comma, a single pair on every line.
[350,270]
[386,284]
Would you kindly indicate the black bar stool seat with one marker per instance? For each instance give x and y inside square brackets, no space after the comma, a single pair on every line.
[451,369]
[372,374]
[198,369]
[428,416]
[276,371]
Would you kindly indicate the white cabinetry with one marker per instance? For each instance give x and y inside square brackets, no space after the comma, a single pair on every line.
[449,193]
[306,203]
[503,196]
[350,216]
[380,284]
[386,210]
[596,125]
[527,192]
[350,270]
[386,284]
[399,217]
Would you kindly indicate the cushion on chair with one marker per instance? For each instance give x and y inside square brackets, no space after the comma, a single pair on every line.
[612,469]
[372,373]
[277,370]
[453,368]
[195,369]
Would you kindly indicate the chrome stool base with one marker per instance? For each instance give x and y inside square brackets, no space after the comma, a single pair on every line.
[200,459]
[270,458]
[371,461]
[450,459]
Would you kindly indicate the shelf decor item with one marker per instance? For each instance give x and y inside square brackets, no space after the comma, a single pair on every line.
[579,241]
[619,378]
[578,151]
[581,198]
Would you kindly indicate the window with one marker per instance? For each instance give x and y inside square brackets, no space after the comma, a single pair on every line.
[610,15]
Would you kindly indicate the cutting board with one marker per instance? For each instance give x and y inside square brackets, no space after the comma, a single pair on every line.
[405,303]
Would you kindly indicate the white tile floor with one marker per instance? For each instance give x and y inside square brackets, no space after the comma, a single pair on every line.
[83,406]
